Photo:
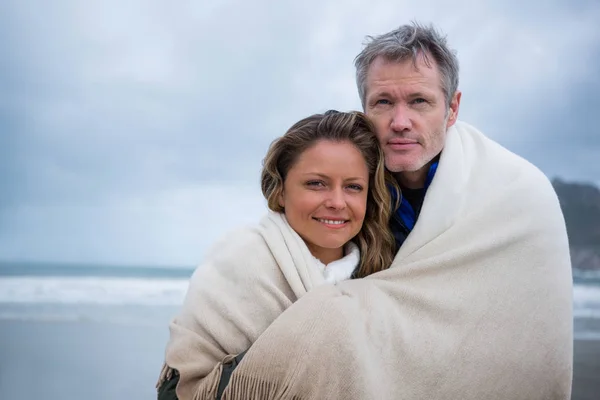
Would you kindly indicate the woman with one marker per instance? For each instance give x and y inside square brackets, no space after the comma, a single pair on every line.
[325,184]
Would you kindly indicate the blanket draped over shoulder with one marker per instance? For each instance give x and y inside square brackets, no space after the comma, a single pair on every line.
[247,280]
[476,305]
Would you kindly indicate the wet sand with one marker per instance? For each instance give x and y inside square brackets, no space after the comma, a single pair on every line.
[99,361]
[586,370]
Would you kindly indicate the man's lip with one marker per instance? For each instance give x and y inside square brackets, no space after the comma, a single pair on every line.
[402,146]
[401,141]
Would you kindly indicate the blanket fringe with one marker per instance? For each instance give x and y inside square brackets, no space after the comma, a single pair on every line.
[256,388]
[248,388]
[209,385]
[166,373]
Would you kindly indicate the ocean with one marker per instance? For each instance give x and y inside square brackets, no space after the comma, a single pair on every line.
[111,294]
[106,327]
[147,295]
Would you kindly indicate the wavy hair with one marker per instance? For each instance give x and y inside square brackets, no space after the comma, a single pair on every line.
[375,239]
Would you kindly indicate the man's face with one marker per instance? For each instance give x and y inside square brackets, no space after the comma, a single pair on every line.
[408,107]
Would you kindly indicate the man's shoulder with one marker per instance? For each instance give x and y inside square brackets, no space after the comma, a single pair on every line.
[495,162]
[494,153]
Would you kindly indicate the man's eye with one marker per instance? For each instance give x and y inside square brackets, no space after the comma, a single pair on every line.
[382,101]
[419,101]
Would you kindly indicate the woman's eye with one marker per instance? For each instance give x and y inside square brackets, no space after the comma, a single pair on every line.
[355,187]
[315,184]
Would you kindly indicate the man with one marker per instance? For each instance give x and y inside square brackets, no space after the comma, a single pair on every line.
[408,85]
[407,81]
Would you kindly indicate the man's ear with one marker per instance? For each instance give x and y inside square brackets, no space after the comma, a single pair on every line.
[453,109]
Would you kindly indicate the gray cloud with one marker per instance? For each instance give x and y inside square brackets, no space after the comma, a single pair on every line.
[135,133]
[124,104]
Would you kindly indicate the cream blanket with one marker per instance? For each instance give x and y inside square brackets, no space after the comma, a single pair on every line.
[476,305]
[247,280]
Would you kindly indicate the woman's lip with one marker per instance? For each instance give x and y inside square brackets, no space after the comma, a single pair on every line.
[333,226]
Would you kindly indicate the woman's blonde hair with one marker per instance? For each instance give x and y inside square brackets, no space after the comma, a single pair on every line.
[375,239]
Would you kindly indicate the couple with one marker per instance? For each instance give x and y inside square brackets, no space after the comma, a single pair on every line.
[405,256]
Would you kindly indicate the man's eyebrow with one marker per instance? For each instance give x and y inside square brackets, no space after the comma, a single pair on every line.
[383,93]
[419,94]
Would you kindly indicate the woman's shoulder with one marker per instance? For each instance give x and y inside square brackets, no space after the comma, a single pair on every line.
[241,253]
[263,234]
[241,240]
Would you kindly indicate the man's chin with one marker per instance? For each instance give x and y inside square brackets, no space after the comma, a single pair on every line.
[398,168]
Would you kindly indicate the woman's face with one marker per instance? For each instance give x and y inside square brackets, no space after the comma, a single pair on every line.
[325,197]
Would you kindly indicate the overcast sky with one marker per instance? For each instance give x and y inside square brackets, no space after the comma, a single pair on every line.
[132,132]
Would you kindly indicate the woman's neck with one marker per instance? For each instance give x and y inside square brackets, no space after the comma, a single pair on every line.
[326,256]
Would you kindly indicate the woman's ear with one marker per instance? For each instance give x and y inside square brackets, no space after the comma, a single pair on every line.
[280,199]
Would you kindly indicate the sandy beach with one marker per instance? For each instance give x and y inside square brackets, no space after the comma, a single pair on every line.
[79,360]
[100,361]
[586,371]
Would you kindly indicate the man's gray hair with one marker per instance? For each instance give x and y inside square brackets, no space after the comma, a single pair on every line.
[408,42]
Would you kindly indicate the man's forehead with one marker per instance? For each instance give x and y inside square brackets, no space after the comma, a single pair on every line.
[417,72]
[410,63]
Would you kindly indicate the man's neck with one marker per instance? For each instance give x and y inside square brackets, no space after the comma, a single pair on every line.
[413,179]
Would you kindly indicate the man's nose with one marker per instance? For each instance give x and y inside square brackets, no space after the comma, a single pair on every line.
[401,119]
